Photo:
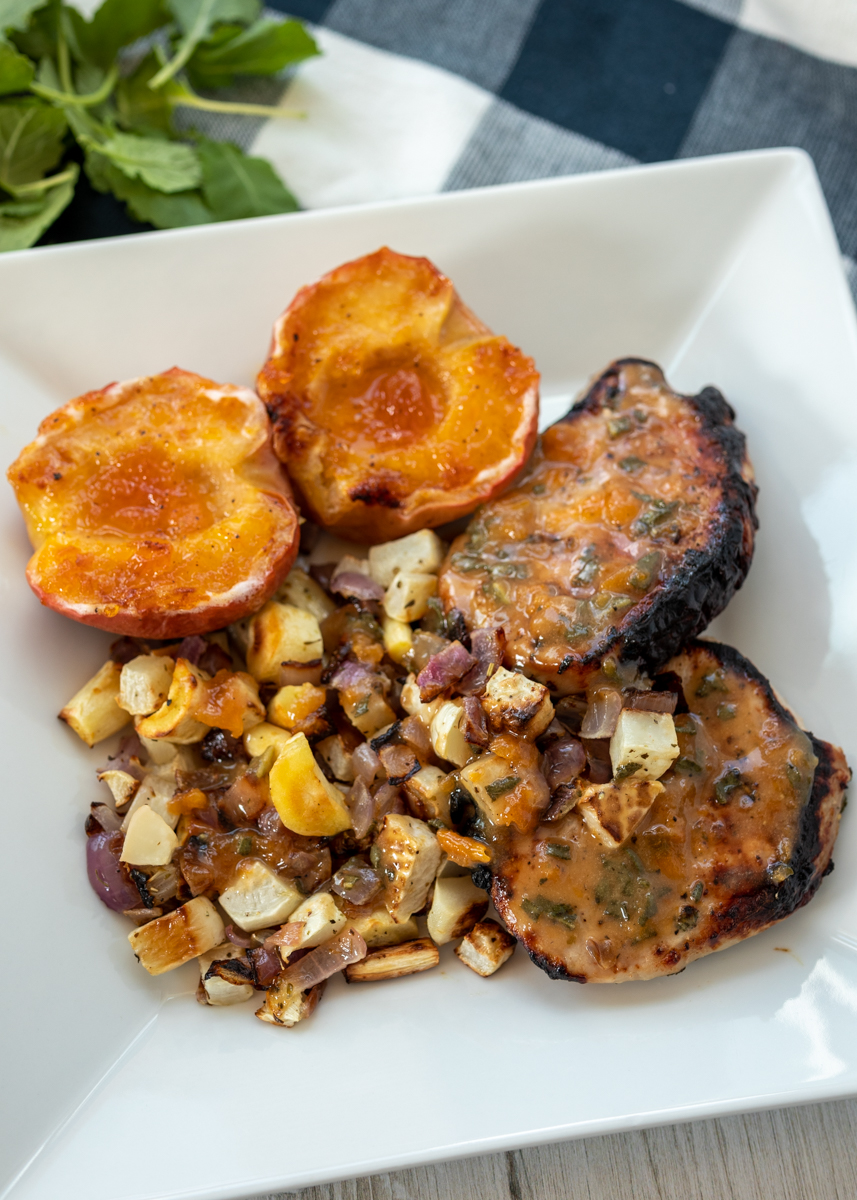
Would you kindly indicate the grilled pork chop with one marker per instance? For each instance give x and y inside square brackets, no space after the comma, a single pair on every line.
[740,837]
[630,531]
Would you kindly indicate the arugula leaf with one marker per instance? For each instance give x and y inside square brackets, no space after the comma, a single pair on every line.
[138,107]
[167,166]
[16,71]
[115,24]
[146,203]
[14,14]
[22,222]
[236,185]
[263,49]
[196,19]
[31,141]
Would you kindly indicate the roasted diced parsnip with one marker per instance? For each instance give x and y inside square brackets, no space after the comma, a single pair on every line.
[644,744]
[175,721]
[398,638]
[256,896]
[299,708]
[320,918]
[260,737]
[414,706]
[306,801]
[518,704]
[123,786]
[158,753]
[392,962]
[333,751]
[428,794]
[456,906]
[420,552]
[301,591]
[612,811]
[486,948]
[378,928]
[409,861]
[217,991]
[368,713]
[157,789]
[92,712]
[178,936]
[407,597]
[144,683]
[482,774]
[281,633]
[285,1005]
[149,841]
[447,736]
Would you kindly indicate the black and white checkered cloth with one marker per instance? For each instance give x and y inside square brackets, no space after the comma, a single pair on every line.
[412,97]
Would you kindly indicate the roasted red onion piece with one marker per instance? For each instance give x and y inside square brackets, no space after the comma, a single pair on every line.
[602,714]
[105,874]
[362,807]
[656,702]
[399,762]
[563,761]
[351,674]
[105,817]
[238,937]
[443,670]
[387,800]
[332,956]
[244,801]
[412,731]
[125,648]
[356,881]
[266,963]
[192,648]
[355,585]
[425,646]
[487,647]
[366,762]
[286,936]
[268,821]
[563,801]
[213,659]
[128,757]
[598,761]
[475,723]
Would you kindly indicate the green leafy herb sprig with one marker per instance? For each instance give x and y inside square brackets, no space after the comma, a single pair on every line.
[111,84]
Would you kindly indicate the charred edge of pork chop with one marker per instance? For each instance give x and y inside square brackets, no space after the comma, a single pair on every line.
[706,580]
[753,911]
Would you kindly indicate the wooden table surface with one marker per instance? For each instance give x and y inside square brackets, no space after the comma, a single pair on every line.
[789,1154]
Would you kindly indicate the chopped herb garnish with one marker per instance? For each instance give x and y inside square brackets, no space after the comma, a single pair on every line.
[646,571]
[685,724]
[631,463]
[659,512]
[510,570]
[558,849]
[726,712]
[687,766]
[564,914]
[618,425]
[245,846]
[497,590]
[686,919]
[538,489]
[501,786]
[713,682]
[361,707]
[375,857]
[727,784]
[696,891]
[588,571]
[779,872]
[466,562]
[624,770]
[575,633]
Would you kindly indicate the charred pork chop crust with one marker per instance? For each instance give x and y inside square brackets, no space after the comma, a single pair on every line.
[724,854]
[632,528]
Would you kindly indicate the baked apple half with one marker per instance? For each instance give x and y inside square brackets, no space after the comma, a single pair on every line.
[156,507]
[394,407]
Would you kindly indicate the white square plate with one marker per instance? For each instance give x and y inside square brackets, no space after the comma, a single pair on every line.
[119,1086]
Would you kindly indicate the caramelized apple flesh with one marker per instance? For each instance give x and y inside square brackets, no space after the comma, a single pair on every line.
[156,507]
[395,407]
